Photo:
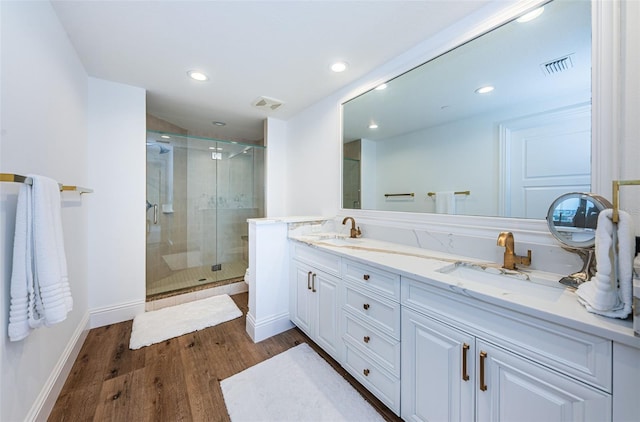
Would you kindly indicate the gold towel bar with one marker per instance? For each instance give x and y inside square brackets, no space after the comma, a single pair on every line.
[616,196]
[464,192]
[386,195]
[9,177]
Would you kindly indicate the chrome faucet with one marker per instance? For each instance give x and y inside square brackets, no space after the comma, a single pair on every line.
[355,232]
[505,239]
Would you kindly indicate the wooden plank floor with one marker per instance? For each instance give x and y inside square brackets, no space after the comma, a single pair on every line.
[177,380]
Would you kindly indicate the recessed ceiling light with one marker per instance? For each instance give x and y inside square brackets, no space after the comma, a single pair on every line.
[339,67]
[381,87]
[219,123]
[531,15]
[197,75]
[165,136]
[484,89]
[373,126]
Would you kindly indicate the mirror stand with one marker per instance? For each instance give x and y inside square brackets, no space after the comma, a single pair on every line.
[587,271]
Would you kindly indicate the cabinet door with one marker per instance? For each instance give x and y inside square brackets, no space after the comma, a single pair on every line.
[327,320]
[301,302]
[437,371]
[512,388]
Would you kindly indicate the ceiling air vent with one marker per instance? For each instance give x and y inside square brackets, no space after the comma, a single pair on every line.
[267,103]
[557,66]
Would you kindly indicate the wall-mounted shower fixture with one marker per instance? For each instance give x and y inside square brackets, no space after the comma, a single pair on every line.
[163,149]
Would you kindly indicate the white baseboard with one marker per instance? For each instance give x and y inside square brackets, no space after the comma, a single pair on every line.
[49,394]
[267,327]
[117,313]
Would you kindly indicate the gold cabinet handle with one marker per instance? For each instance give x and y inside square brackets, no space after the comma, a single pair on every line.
[366,339]
[309,280]
[365,306]
[366,372]
[313,283]
[483,356]
[366,277]
[465,374]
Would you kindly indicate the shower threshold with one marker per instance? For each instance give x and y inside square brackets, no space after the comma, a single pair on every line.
[195,288]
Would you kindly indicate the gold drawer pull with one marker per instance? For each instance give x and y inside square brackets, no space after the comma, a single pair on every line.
[365,306]
[366,276]
[465,375]
[366,372]
[483,356]
[366,339]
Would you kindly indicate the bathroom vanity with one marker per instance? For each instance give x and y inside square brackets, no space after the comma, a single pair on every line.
[437,336]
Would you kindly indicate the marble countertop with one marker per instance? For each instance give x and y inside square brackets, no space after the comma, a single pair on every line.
[549,301]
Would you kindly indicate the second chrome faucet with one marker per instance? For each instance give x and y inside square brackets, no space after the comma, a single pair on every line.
[505,239]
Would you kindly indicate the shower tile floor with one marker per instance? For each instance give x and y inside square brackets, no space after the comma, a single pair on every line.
[195,278]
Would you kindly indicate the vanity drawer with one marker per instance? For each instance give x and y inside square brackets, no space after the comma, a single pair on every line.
[380,347]
[377,311]
[572,352]
[321,260]
[382,384]
[382,282]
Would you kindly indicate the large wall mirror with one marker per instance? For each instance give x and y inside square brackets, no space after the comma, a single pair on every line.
[430,140]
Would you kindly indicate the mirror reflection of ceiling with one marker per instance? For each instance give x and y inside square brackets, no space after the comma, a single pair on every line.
[509,58]
[515,149]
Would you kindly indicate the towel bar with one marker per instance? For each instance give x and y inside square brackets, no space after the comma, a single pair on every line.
[616,196]
[464,192]
[387,195]
[9,177]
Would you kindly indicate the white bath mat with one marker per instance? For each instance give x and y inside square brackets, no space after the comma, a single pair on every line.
[156,326]
[183,260]
[296,385]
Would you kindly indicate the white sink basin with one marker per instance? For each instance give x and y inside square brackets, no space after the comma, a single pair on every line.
[340,241]
[536,284]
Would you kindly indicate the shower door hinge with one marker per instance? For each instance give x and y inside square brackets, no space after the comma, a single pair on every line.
[216,267]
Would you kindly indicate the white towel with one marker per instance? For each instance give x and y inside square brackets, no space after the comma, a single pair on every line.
[22,299]
[40,292]
[446,202]
[602,294]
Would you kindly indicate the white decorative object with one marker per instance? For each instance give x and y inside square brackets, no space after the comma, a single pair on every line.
[609,292]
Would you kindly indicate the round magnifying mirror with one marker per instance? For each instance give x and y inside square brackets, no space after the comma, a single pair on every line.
[572,219]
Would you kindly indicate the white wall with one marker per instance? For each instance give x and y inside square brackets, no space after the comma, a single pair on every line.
[630,154]
[117,134]
[314,161]
[44,131]
[275,172]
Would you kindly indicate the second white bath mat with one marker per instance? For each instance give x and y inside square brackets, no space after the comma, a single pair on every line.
[163,324]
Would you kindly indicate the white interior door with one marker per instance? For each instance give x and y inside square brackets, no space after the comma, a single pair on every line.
[545,156]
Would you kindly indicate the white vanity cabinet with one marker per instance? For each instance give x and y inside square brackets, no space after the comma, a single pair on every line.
[314,298]
[371,329]
[438,370]
[462,361]
[512,388]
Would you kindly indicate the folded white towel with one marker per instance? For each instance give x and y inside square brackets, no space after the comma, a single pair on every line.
[22,271]
[446,202]
[603,294]
[50,279]
[40,293]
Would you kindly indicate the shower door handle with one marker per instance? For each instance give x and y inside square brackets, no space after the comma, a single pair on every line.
[155,213]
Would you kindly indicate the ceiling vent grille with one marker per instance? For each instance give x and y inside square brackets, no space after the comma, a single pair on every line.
[557,66]
[267,103]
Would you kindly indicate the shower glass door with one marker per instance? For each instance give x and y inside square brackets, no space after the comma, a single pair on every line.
[200,193]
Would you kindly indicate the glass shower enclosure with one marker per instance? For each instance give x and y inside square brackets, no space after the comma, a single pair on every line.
[200,192]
